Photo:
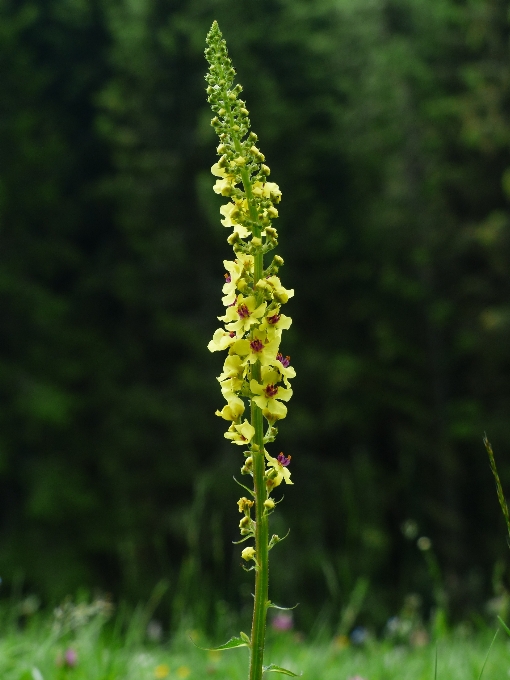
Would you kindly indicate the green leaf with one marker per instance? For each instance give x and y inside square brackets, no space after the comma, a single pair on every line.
[272,668]
[231,644]
[245,638]
[505,627]
[272,605]
[244,487]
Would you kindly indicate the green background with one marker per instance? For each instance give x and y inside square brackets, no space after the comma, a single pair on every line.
[386,125]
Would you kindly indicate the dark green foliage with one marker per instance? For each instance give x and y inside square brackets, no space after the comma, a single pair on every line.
[386,126]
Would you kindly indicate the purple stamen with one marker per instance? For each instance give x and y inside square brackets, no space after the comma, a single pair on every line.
[232,334]
[271,391]
[256,345]
[273,319]
[283,460]
[228,278]
[285,361]
[235,302]
[243,311]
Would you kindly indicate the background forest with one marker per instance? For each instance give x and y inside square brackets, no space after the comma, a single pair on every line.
[386,125]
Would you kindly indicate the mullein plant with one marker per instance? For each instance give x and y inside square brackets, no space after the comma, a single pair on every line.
[255,381]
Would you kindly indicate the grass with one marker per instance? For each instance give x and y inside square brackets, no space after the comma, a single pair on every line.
[119,652]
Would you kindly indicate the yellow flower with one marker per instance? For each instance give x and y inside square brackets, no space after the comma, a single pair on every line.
[241,316]
[230,387]
[234,367]
[233,410]
[240,434]
[259,348]
[267,190]
[268,394]
[161,671]
[284,368]
[248,554]
[279,293]
[280,466]
[224,185]
[221,340]
[274,323]
[229,212]
[235,269]
[218,171]
[272,190]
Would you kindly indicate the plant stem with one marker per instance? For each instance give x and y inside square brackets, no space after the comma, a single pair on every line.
[258,629]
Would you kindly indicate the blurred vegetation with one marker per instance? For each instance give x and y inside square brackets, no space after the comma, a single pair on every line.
[386,124]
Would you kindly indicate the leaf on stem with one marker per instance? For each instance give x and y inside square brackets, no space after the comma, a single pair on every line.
[244,487]
[272,668]
[231,644]
[272,605]
[243,539]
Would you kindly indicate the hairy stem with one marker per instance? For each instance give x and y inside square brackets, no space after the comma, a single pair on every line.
[258,630]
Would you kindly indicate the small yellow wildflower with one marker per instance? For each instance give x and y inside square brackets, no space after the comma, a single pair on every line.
[240,434]
[161,671]
[233,410]
[244,314]
[280,466]
[269,393]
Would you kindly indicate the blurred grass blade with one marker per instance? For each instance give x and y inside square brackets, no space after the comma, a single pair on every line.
[499,488]
[488,652]
[505,627]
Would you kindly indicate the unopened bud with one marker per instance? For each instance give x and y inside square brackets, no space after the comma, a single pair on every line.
[265,170]
[272,212]
[248,554]
[269,504]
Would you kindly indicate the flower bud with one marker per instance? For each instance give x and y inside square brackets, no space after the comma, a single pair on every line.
[265,170]
[248,554]
[272,212]
[244,522]
[269,504]
[221,148]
